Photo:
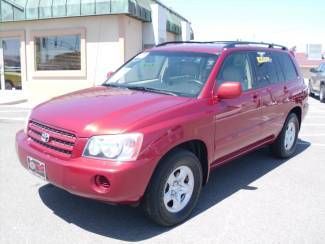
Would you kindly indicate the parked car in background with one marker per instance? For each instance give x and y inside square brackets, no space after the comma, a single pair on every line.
[154,130]
[317,82]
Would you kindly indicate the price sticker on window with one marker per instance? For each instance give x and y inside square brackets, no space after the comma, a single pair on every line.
[261,58]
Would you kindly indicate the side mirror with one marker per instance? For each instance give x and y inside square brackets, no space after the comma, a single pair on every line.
[229,90]
[109,74]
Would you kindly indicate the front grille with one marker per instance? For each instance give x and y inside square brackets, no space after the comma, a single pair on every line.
[60,141]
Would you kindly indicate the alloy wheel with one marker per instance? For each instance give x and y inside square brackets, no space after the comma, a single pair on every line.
[178,189]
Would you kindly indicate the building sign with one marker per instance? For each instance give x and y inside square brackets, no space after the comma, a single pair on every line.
[314,51]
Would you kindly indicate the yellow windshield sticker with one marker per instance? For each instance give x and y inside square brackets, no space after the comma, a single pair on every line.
[261,59]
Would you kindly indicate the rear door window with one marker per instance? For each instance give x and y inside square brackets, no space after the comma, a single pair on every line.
[265,69]
[278,65]
[287,66]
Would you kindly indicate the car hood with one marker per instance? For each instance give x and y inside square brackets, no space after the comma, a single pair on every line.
[103,110]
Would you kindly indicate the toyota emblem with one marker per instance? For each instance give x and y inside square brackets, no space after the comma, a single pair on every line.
[45,137]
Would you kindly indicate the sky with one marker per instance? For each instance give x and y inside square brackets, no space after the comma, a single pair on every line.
[287,22]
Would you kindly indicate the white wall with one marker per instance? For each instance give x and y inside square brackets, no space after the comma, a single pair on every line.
[110,41]
[133,37]
[155,32]
[186,31]
[171,37]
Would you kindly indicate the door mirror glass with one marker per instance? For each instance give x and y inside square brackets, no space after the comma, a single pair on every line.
[229,90]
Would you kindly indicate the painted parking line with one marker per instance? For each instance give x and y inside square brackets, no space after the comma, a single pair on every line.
[312,135]
[13,118]
[313,124]
[315,115]
[14,111]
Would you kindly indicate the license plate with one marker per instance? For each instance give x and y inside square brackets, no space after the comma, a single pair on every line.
[36,167]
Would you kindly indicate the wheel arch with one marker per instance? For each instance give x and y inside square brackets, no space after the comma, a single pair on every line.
[298,111]
[199,149]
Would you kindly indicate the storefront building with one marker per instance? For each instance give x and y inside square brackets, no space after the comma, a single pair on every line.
[48,48]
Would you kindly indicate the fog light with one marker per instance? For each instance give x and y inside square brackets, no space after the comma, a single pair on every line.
[102,182]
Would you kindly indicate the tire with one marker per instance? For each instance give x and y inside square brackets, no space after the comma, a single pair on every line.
[159,202]
[322,93]
[310,90]
[286,143]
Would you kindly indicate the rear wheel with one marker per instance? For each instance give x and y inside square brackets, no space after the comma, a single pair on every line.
[322,93]
[174,188]
[285,145]
[310,90]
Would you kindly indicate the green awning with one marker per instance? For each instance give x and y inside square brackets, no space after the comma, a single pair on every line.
[173,24]
[15,10]
[140,9]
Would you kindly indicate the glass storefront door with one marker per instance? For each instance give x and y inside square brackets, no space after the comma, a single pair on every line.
[10,66]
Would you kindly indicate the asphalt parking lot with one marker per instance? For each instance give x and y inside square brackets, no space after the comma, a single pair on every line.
[254,199]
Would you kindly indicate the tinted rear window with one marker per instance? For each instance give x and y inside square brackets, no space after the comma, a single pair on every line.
[287,66]
[265,69]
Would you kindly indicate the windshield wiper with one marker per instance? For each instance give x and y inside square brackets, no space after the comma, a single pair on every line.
[112,85]
[148,89]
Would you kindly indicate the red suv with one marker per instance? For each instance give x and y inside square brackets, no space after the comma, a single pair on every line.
[154,130]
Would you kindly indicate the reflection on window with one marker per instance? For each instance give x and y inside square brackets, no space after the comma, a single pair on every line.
[58,52]
[12,66]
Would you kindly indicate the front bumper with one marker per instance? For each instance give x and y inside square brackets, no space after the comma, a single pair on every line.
[128,180]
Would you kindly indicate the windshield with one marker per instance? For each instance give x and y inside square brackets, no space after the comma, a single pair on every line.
[172,73]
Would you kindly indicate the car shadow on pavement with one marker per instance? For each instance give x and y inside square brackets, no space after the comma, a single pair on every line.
[129,224]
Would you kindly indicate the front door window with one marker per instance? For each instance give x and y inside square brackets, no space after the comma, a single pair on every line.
[10,66]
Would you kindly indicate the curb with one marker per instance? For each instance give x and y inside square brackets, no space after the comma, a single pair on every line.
[14,102]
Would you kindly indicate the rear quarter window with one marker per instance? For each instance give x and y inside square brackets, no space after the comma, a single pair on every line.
[287,66]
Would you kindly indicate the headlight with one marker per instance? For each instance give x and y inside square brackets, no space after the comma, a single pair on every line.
[26,122]
[124,147]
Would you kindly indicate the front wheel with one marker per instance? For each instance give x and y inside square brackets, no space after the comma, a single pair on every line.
[174,188]
[286,143]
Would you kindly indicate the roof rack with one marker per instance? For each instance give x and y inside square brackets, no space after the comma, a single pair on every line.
[269,45]
[182,42]
[228,44]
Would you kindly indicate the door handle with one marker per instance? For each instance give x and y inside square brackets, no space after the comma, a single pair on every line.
[285,89]
[256,98]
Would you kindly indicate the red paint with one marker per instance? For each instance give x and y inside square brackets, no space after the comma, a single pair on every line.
[229,90]
[227,127]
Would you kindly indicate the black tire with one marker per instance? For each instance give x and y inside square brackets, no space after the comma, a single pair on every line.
[322,93]
[278,147]
[310,90]
[153,201]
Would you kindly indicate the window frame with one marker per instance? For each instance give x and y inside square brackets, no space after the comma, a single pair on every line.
[251,69]
[19,34]
[163,68]
[59,73]
[255,71]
